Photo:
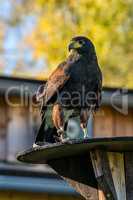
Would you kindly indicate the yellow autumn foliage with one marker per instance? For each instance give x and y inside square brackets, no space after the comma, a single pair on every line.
[108,23]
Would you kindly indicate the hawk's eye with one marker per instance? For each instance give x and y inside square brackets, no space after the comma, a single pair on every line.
[81,42]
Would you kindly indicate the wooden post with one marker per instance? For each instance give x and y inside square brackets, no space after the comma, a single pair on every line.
[78,172]
[129,175]
[102,173]
[116,161]
[110,174]
[99,169]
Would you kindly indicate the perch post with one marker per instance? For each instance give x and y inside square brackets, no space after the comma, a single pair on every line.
[98,168]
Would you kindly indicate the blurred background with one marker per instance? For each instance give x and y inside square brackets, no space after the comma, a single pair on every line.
[34,36]
[33,39]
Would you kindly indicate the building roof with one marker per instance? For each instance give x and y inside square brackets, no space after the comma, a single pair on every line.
[35,184]
[21,177]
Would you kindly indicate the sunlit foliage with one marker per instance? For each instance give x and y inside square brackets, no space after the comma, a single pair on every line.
[108,23]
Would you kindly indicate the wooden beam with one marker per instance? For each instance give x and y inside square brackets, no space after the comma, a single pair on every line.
[101,195]
[89,193]
[116,162]
[129,174]
[78,172]
[103,174]
[110,174]
[90,167]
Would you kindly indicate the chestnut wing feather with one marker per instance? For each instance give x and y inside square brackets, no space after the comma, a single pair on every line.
[55,82]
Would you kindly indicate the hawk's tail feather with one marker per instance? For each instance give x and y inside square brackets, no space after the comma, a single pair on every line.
[45,134]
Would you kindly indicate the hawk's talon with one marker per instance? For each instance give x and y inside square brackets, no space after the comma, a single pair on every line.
[57,139]
[65,140]
[60,130]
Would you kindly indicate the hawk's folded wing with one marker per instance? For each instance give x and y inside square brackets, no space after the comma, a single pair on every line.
[55,82]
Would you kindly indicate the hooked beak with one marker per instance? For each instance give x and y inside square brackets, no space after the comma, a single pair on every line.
[74,45]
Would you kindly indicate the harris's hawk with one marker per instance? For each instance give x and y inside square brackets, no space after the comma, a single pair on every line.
[73,89]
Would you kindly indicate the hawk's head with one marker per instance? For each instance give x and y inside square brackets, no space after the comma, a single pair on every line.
[81,44]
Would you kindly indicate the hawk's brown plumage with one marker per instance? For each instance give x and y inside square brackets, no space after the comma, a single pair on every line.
[75,85]
[58,116]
